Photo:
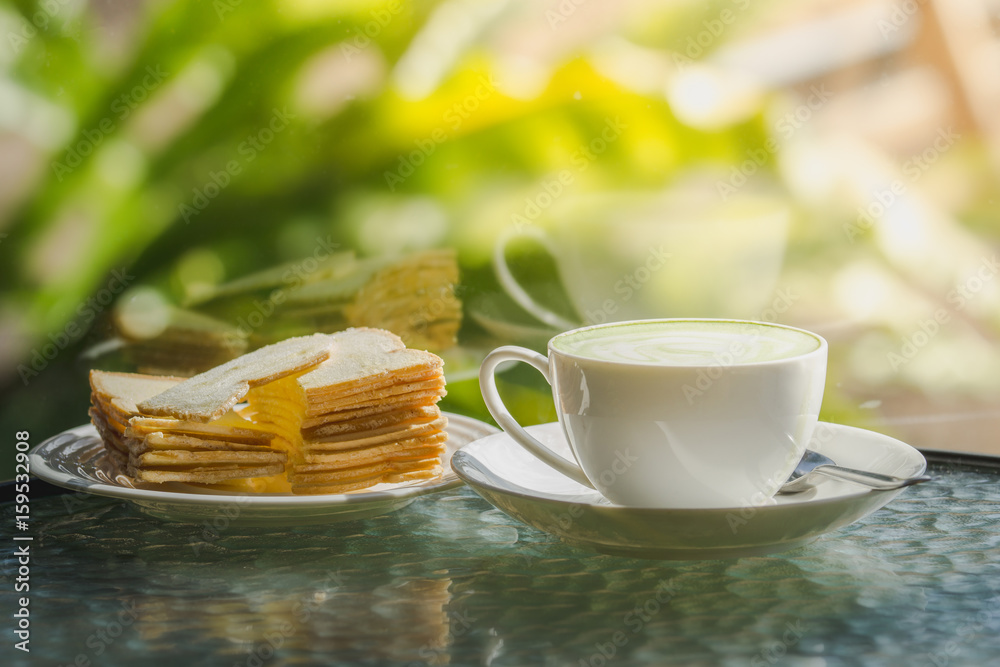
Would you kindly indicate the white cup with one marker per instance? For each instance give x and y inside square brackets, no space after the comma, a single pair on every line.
[676,413]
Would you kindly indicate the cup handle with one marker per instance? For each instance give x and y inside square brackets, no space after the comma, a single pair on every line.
[514,288]
[488,385]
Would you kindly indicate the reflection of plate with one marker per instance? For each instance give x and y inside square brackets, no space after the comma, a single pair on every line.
[525,488]
[75,459]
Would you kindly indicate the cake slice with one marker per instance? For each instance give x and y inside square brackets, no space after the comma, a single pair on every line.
[167,449]
[326,414]
[367,415]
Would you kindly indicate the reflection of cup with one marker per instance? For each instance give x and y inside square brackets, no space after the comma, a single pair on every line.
[634,256]
[676,413]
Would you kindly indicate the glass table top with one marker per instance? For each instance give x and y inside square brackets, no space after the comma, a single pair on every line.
[449,580]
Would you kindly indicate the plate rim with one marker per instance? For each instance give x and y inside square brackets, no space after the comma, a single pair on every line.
[777,527]
[462,454]
[41,469]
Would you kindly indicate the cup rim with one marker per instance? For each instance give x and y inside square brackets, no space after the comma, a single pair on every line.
[820,349]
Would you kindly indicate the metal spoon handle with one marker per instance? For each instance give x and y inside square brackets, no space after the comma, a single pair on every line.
[871,479]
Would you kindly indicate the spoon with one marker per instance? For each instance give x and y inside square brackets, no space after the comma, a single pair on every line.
[814,463]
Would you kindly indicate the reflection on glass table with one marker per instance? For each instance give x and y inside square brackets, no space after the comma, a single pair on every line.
[450,580]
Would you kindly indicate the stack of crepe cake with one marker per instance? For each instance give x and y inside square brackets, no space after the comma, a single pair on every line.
[366,416]
[153,449]
[165,429]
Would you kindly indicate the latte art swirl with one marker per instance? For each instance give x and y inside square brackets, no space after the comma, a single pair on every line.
[687,343]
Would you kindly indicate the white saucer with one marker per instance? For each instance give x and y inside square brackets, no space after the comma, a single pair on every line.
[522,486]
[75,459]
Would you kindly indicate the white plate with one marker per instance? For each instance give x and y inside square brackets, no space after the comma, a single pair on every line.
[525,488]
[75,459]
